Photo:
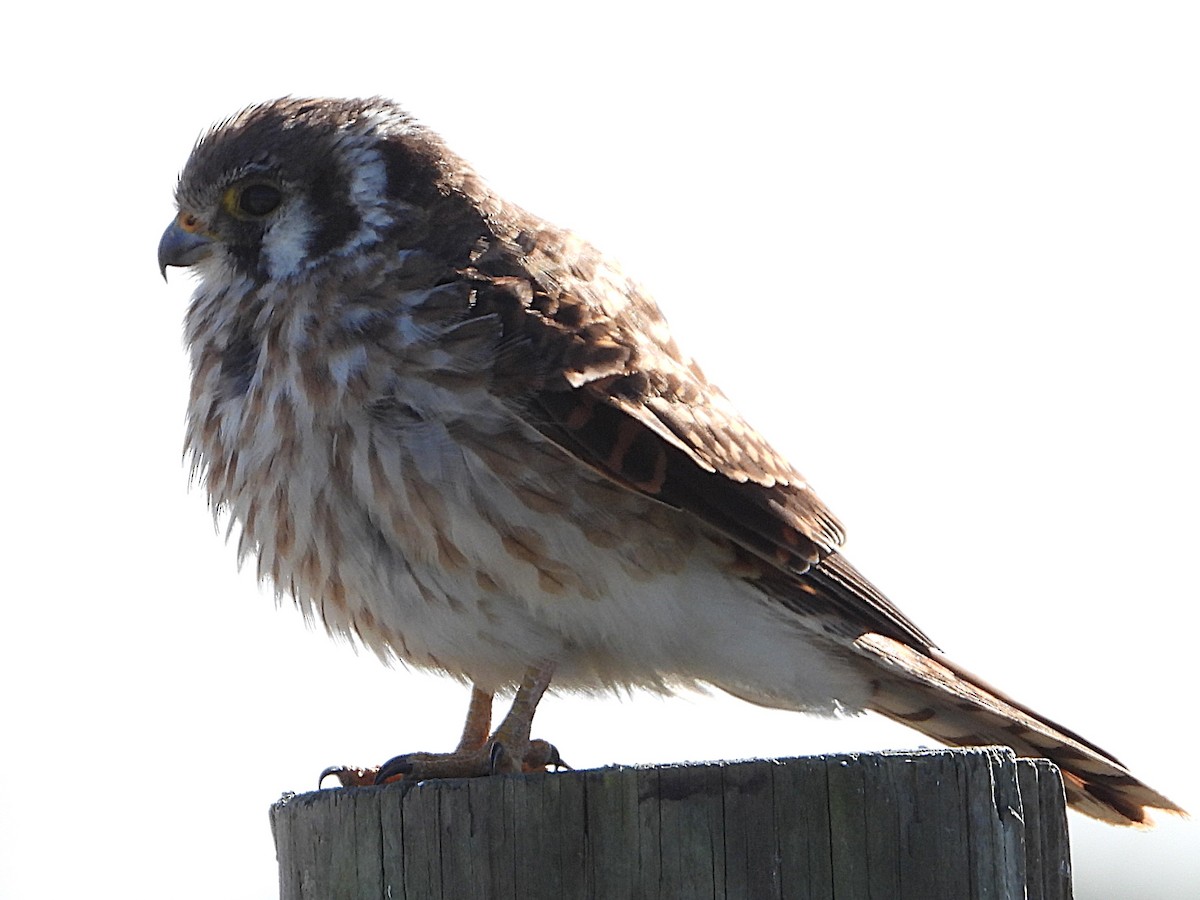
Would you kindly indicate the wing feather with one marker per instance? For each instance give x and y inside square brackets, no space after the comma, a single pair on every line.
[589,360]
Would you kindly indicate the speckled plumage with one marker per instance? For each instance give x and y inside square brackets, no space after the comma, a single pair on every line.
[466,438]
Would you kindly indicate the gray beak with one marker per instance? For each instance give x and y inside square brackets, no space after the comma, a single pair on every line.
[182,244]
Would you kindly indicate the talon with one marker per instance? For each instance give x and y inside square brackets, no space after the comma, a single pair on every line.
[496,755]
[348,776]
[542,754]
[396,767]
[553,759]
[508,751]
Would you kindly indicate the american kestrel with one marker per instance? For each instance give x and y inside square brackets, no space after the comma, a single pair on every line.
[465,438]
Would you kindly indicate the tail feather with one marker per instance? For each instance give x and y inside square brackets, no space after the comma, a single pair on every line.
[928,692]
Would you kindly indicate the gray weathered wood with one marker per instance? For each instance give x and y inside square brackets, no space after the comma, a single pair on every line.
[924,825]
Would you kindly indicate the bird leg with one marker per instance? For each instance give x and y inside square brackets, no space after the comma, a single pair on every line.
[511,749]
[479,721]
[508,750]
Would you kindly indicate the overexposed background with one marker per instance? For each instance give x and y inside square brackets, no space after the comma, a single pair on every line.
[943,254]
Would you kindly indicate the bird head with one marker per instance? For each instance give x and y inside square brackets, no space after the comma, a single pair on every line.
[294,185]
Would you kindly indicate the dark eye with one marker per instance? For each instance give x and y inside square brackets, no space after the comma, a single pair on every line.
[258,199]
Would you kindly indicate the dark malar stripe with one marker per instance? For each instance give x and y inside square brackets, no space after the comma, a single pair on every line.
[239,356]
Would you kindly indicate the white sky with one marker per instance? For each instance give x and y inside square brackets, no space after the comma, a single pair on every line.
[943,254]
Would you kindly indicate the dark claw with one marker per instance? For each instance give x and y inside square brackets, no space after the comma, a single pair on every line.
[347,776]
[553,759]
[396,766]
[495,757]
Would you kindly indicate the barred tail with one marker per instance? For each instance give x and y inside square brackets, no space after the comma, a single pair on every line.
[930,693]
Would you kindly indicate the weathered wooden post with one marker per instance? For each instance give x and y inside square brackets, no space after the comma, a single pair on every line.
[925,825]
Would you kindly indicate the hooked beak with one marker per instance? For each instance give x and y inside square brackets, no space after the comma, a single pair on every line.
[185,242]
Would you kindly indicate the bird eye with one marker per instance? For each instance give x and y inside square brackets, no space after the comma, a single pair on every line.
[253,200]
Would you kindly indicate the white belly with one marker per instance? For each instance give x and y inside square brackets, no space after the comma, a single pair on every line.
[456,538]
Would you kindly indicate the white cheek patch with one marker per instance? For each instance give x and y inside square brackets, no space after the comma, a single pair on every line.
[285,243]
[368,189]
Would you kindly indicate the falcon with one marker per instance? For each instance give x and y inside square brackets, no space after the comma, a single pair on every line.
[466,439]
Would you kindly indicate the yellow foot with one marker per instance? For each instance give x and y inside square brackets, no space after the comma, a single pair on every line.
[493,758]
[509,749]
